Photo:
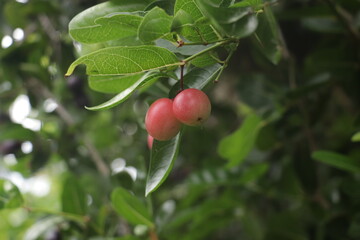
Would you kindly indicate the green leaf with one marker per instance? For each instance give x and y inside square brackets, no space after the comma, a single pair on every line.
[113,84]
[204,60]
[125,60]
[356,137]
[185,50]
[104,22]
[130,84]
[253,173]
[14,131]
[337,160]
[267,36]
[156,24]
[163,155]
[197,78]
[73,198]
[130,207]
[10,196]
[200,77]
[167,5]
[231,22]
[191,27]
[108,28]
[244,140]
[248,3]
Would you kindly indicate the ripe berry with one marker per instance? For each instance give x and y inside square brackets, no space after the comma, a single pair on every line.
[160,121]
[192,107]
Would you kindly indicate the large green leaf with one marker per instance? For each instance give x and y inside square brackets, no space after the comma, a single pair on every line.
[163,156]
[237,146]
[267,36]
[130,84]
[10,196]
[104,22]
[200,77]
[113,84]
[191,26]
[125,60]
[337,160]
[130,207]
[108,28]
[233,22]
[73,198]
[156,24]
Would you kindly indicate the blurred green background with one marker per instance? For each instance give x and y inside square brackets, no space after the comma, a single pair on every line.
[301,179]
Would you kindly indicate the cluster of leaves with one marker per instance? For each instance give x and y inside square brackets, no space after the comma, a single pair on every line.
[165,36]
[285,119]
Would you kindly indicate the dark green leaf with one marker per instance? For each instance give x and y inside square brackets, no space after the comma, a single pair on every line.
[125,60]
[267,36]
[237,146]
[130,207]
[232,22]
[10,196]
[253,173]
[204,60]
[337,160]
[156,24]
[130,84]
[73,198]
[104,22]
[163,156]
[198,78]
[197,32]
[167,5]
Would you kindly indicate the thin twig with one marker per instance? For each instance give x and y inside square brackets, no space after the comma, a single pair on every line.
[345,18]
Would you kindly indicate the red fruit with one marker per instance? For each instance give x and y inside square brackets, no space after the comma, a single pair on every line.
[150,141]
[192,107]
[160,121]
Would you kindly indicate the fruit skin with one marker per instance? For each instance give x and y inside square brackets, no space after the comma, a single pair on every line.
[192,107]
[160,121]
[150,141]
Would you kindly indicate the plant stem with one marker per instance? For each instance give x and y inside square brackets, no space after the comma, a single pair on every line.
[182,77]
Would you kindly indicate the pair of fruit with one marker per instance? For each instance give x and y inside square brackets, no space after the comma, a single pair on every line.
[164,118]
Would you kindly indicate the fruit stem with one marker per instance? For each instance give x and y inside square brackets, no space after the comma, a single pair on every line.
[182,77]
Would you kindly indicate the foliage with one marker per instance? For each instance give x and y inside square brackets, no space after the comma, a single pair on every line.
[278,158]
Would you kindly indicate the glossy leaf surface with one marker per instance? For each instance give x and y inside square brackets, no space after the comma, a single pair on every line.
[163,156]
[125,60]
